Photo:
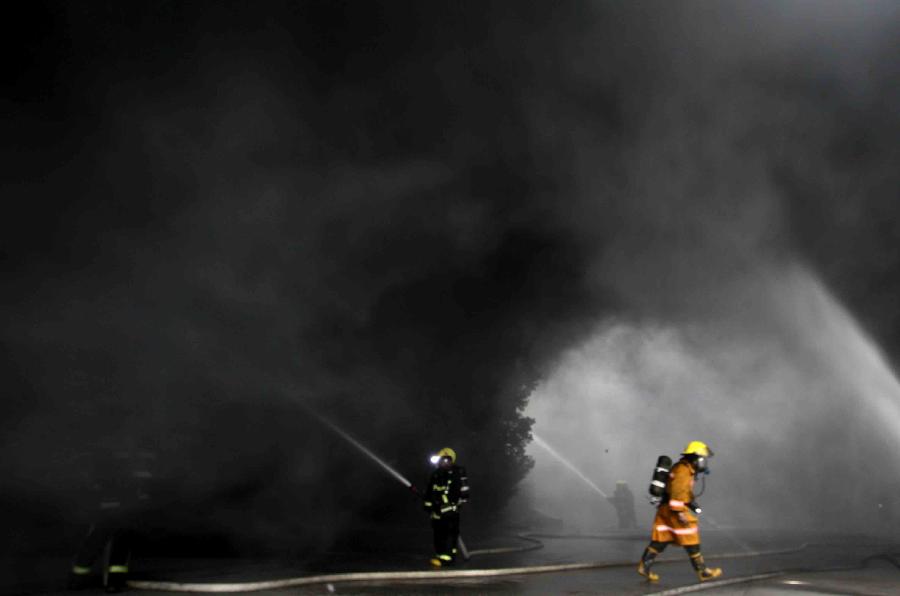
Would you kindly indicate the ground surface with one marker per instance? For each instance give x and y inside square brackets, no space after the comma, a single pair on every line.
[787,563]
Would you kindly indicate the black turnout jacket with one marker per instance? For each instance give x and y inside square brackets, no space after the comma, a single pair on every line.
[447,489]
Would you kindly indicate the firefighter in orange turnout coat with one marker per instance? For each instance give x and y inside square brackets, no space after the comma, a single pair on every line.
[675,520]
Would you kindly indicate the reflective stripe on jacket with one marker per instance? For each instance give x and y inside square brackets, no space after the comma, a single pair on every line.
[674,522]
[447,489]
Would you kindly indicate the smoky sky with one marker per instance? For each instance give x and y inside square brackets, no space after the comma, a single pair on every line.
[401,214]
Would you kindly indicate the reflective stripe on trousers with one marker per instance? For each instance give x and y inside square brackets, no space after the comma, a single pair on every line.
[679,531]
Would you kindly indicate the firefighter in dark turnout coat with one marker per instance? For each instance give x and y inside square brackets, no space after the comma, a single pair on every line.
[447,490]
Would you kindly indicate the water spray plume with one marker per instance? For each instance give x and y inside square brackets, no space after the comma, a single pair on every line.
[860,363]
[543,444]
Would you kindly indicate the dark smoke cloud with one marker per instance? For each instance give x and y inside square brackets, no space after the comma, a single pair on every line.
[229,212]
[400,215]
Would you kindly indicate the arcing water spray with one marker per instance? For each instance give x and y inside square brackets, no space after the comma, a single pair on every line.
[543,444]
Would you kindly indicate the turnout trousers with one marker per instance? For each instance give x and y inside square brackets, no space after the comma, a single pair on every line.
[446,533]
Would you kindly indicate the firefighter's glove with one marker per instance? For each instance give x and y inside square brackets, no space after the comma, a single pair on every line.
[683,517]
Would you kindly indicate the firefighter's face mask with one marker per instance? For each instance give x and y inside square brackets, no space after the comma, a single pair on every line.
[701,464]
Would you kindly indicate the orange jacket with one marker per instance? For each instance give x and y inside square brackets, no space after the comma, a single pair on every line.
[674,522]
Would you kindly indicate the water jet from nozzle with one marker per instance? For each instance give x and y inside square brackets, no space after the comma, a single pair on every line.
[367,452]
[543,444]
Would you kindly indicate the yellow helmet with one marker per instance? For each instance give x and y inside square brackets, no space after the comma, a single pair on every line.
[697,448]
[447,452]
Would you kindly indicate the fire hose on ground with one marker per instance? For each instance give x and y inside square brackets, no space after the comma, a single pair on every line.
[407,576]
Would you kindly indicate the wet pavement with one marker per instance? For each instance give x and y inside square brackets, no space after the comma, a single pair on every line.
[784,563]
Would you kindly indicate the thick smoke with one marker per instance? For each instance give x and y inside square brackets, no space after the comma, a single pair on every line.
[229,216]
[400,215]
[763,163]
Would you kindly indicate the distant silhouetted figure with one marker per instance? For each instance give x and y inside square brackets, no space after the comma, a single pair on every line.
[447,490]
[623,501]
[119,481]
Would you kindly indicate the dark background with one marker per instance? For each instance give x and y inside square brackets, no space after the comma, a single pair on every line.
[397,214]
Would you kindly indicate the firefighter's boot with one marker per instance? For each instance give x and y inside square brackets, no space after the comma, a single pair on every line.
[704,573]
[709,573]
[646,562]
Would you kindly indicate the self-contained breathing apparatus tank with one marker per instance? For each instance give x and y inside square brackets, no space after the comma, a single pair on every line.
[660,479]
